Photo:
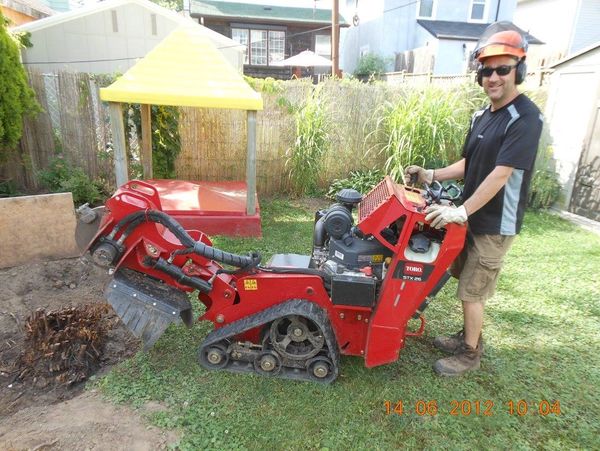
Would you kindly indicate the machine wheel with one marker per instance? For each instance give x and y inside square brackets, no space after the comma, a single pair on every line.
[267,363]
[214,357]
[296,337]
[319,368]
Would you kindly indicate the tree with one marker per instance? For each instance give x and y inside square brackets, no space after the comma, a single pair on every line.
[175,5]
[370,64]
[16,97]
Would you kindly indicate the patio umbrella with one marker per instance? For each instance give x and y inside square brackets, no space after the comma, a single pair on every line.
[306,58]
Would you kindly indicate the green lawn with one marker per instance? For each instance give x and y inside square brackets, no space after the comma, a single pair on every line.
[542,336]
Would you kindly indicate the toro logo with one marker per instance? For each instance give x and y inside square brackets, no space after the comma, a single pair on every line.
[413,269]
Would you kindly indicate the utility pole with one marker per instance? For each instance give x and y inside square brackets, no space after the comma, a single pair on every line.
[335,40]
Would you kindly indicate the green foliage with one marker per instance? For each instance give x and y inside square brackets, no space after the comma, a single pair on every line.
[545,189]
[62,177]
[267,85]
[8,188]
[362,181]
[305,159]
[425,126]
[173,5]
[16,97]
[370,64]
[529,355]
[166,142]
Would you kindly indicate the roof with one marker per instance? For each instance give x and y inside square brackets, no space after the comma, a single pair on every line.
[576,55]
[465,31]
[263,13]
[60,18]
[23,5]
[185,69]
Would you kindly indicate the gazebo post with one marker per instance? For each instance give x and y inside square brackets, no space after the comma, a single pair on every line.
[146,155]
[118,133]
[251,165]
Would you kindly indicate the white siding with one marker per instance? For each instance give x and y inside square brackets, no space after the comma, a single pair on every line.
[573,93]
[389,27]
[89,44]
[587,31]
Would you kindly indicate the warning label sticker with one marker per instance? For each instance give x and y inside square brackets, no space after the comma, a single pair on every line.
[250,284]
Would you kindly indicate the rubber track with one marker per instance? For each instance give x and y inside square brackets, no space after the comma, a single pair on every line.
[299,307]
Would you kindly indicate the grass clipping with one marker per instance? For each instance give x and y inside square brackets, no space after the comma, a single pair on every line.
[64,346]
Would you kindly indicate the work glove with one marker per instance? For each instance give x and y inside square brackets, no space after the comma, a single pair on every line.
[440,215]
[423,175]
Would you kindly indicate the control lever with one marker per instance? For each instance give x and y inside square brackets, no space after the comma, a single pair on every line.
[436,192]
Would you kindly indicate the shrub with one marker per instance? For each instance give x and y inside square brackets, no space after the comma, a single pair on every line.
[425,127]
[16,97]
[305,159]
[370,65]
[61,177]
[545,189]
[166,141]
[362,181]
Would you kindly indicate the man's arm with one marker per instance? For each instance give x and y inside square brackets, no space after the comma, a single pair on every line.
[488,188]
[452,172]
[440,215]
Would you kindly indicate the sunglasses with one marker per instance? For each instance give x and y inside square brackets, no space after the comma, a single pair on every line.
[500,70]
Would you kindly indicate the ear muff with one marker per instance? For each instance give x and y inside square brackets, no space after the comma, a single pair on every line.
[520,73]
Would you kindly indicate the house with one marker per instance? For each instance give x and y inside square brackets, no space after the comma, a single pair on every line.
[573,112]
[269,33]
[23,11]
[435,36]
[565,26]
[109,37]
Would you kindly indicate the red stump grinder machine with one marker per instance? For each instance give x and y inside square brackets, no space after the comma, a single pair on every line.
[295,315]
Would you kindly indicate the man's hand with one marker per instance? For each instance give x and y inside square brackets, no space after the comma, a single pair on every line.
[423,175]
[440,215]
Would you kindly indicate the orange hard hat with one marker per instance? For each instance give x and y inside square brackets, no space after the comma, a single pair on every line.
[507,42]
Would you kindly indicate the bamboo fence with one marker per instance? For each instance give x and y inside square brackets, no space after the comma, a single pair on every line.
[74,123]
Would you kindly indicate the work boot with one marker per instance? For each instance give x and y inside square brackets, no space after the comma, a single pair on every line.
[465,358]
[450,344]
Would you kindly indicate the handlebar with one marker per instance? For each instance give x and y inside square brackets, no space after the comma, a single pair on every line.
[436,192]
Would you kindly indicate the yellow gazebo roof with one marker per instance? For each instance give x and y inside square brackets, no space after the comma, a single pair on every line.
[185,69]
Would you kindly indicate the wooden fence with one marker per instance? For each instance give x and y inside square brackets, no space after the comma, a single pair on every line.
[75,124]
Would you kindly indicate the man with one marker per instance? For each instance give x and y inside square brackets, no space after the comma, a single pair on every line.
[498,157]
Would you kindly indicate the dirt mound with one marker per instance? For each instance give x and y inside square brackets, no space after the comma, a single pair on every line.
[52,286]
[40,413]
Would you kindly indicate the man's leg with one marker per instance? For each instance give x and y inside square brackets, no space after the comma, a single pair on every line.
[473,317]
[477,282]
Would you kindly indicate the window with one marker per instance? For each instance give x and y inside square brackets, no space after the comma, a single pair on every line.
[276,46]
[426,9]
[323,45]
[241,36]
[258,47]
[478,8]
[263,47]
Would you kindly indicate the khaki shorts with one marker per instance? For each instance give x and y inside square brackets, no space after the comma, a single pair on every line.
[478,266]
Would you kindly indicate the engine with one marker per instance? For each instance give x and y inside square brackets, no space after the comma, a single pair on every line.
[355,263]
